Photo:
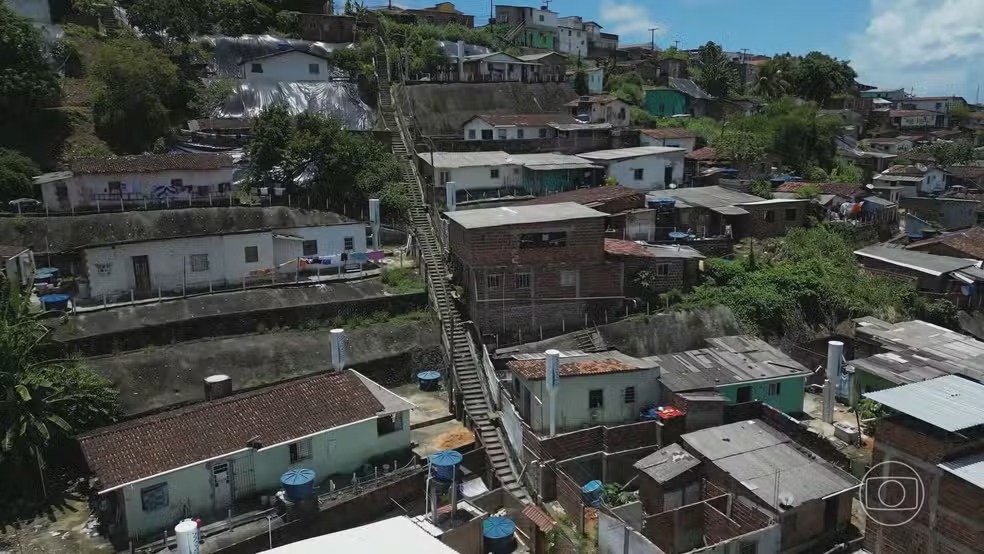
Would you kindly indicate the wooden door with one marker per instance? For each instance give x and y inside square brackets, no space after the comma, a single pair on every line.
[141,274]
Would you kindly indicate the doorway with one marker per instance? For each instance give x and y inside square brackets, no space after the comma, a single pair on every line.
[744,394]
[221,486]
[141,274]
[667,176]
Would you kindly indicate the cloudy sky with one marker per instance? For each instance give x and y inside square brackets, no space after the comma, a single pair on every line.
[928,46]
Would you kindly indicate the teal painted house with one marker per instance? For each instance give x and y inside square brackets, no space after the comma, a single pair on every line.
[665,101]
[741,368]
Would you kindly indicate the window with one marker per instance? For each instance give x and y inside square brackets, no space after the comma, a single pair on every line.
[115,186]
[314,68]
[542,240]
[939,106]
[520,133]
[770,216]
[541,17]
[177,183]
[774,389]
[104,270]
[471,134]
[389,424]
[309,248]
[494,174]
[543,133]
[486,134]
[509,67]
[61,192]
[568,278]
[744,394]
[596,399]
[203,190]
[252,254]
[522,280]
[637,174]
[154,497]
[256,68]
[349,243]
[493,282]
[445,176]
[750,548]
[300,451]
[662,270]
[199,262]
[629,395]
[791,214]
[502,134]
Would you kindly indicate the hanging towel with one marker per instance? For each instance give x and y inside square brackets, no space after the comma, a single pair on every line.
[376,255]
[360,257]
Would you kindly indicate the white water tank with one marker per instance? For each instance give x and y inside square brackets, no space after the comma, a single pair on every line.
[186,537]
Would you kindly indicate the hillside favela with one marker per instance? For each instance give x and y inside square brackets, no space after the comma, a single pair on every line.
[558,277]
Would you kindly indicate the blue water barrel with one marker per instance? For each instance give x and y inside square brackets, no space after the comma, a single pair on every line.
[650,415]
[46,275]
[429,380]
[592,493]
[55,302]
[298,484]
[444,464]
[499,535]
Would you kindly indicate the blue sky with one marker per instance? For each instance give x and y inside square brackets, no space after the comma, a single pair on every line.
[930,46]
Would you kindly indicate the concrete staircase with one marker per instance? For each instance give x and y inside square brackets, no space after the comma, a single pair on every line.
[470,391]
[515,32]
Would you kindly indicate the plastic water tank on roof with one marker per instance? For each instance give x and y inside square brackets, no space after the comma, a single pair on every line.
[499,535]
[592,493]
[444,464]
[298,484]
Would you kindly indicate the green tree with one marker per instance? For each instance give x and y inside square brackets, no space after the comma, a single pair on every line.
[846,172]
[775,77]
[427,56]
[26,78]
[137,87]
[713,71]
[43,402]
[951,153]
[16,171]
[959,114]
[174,22]
[245,17]
[581,82]
[808,192]
[740,146]
[819,77]
[761,189]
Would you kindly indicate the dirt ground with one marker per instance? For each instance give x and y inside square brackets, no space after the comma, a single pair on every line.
[66,530]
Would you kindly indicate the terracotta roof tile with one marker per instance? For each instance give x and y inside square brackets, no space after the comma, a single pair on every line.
[845,190]
[969,242]
[618,247]
[668,133]
[594,196]
[704,154]
[602,363]
[909,113]
[145,163]
[539,518]
[529,120]
[146,446]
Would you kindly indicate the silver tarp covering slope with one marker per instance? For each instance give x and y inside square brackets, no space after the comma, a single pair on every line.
[337,97]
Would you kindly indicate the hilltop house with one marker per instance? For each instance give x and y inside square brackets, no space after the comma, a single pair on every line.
[144,180]
[900,181]
[287,66]
[601,109]
[642,167]
[442,13]
[912,119]
[678,97]
[222,453]
[534,27]
[515,126]
[720,212]
[499,66]
[552,67]
[676,137]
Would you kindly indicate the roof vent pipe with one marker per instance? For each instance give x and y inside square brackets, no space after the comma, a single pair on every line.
[337,349]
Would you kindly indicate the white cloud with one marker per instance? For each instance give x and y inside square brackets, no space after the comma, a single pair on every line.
[628,20]
[932,46]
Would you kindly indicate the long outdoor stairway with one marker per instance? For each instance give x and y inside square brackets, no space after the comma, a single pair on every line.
[467,375]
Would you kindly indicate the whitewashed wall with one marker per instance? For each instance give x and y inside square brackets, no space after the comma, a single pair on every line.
[653,177]
[82,189]
[292,66]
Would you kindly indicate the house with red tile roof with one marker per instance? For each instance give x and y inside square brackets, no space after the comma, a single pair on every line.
[205,459]
[669,136]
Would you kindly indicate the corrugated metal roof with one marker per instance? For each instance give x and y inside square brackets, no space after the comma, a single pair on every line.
[729,210]
[627,153]
[735,438]
[969,468]
[911,259]
[667,463]
[950,402]
[708,197]
[520,215]
[727,360]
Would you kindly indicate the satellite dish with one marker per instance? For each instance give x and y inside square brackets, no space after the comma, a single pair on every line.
[786,500]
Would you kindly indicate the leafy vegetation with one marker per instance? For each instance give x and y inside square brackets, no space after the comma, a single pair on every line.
[843,172]
[714,72]
[950,153]
[805,282]
[401,280]
[43,402]
[16,171]
[342,170]
[762,189]
[27,78]
[816,76]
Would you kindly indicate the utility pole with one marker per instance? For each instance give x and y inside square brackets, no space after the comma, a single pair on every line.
[652,39]
[676,44]
[744,53]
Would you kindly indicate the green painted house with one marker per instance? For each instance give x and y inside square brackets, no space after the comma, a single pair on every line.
[541,38]
[741,368]
[677,97]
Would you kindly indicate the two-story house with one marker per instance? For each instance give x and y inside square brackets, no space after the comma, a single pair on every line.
[939,105]
[603,108]
[537,27]
[900,181]
[527,268]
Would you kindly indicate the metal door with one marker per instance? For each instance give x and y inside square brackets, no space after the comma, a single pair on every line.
[141,274]
[221,486]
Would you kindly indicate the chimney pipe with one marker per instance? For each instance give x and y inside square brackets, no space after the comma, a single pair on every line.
[552,379]
[338,349]
[217,386]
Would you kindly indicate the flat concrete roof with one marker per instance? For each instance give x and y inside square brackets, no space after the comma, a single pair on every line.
[627,153]
[397,534]
[520,215]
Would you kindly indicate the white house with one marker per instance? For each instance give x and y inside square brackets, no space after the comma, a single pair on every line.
[642,167]
[142,180]
[601,109]
[497,66]
[595,389]
[939,105]
[206,459]
[596,80]
[909,179]
[286,66]
[677,137]
[17,264]
[148,267]
[572,40]
[515,126]
[888,145]
[912,119]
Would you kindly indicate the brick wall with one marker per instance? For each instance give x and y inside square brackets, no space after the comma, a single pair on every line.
[801,435]
[326,28]
[619,466]
[717,526]
[499,246]
[569,496]
[922,280]
[632,435]
[573,444]
[921,443]
[674,279]
[757,226]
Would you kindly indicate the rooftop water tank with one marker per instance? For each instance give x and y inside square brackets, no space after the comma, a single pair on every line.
[592,493]
[444,464]
[55,302]
[298,484]
[499,535]
[429,380]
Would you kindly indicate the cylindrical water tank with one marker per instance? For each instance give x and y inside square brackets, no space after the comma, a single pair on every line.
[217,386]
[186,537]
[298,484]
[429,380]
[444,464]
[499,535]
[55,302]
[592,493]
